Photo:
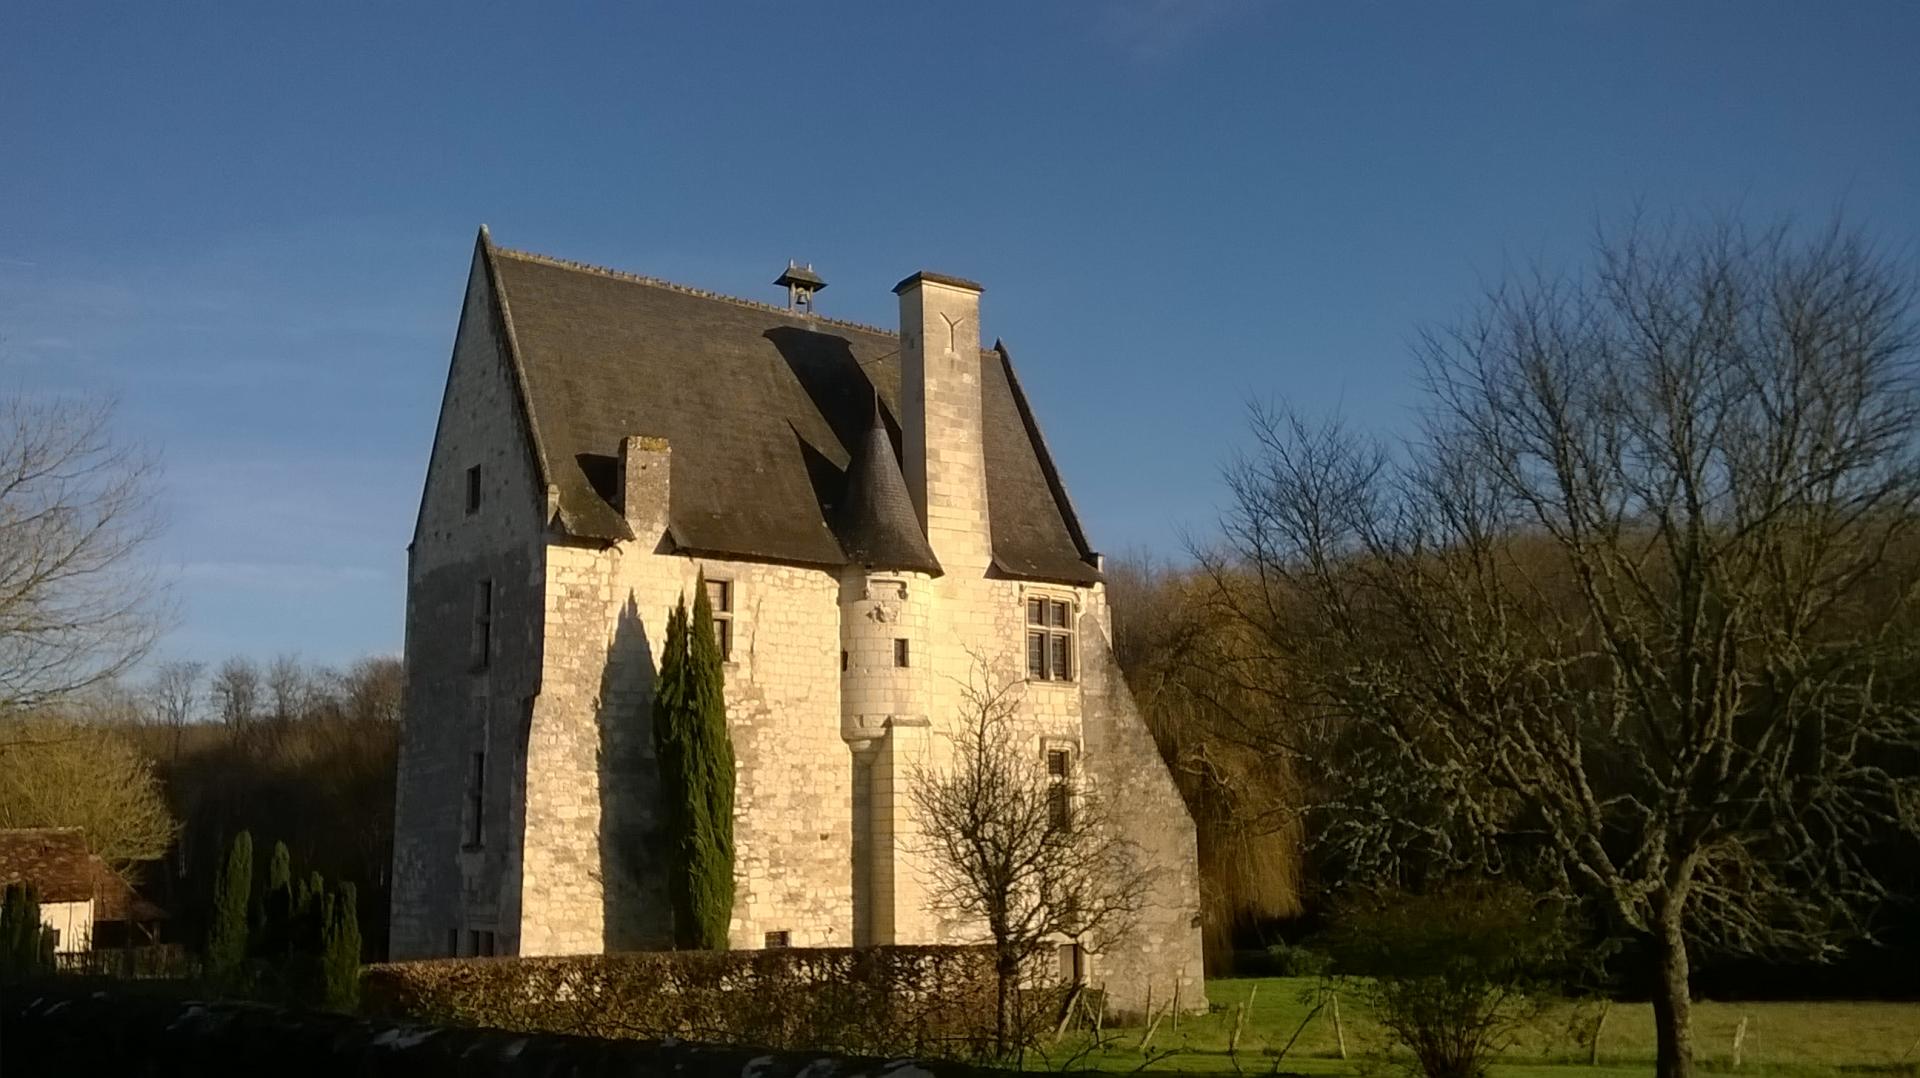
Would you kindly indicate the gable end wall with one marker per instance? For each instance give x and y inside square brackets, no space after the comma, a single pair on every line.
[453,708]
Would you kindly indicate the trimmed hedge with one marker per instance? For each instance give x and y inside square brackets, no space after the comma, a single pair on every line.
[925,1001]
[66,1027]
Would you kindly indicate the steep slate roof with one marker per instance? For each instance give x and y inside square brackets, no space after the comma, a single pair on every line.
[877,525]
[763,408]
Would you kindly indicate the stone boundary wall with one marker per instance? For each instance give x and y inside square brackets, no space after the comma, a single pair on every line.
[66,1030]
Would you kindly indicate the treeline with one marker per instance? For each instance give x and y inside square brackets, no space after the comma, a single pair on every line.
[303,753]
[163,774]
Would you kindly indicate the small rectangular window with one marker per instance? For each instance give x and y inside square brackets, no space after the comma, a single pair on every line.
[480,943]
[720,597]
[1037,655]
[1061,666]
[476,799]
[482,622]
[1036,611]
[1073,964]
[1059,789]
[900,651]
[473,490]
[1059,806]
[843,658]
[779,939]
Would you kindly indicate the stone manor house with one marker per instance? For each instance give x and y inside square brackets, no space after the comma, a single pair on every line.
[876,517]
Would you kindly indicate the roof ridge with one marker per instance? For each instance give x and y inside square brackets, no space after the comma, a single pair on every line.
[674,286]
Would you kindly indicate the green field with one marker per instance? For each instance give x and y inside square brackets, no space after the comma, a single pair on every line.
[1824,1038]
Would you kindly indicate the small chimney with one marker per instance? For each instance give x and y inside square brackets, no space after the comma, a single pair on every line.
[801,283]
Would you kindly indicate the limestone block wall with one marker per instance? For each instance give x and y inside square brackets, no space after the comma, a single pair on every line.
[445,887]
[976,635]
[1122,761]
[591,880]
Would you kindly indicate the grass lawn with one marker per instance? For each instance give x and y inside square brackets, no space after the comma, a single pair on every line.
[1812,1039]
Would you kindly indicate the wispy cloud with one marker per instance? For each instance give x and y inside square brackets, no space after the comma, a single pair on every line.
[275,576]
[1159,31]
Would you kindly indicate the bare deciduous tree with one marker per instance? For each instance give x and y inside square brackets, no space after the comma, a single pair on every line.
[78,604]
[236,692]
[1241,797]
[288,687]
[372,689]
[1013,848]
[173,696]
[1635,618]
[66,775]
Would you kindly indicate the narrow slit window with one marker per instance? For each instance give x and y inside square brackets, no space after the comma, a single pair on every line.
[476,799]
[473,490]
[900,654]
[482,622]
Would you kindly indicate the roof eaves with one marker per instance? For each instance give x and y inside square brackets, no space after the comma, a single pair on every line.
[1089,576]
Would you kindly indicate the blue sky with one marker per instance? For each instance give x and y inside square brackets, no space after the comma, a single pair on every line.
[252,224]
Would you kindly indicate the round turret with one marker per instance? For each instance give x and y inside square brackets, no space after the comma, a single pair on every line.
[883,632]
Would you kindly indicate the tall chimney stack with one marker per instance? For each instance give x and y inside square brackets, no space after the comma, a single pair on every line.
[943,458]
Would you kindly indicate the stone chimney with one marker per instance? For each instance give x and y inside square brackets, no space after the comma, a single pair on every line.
[646,473]
[944,462]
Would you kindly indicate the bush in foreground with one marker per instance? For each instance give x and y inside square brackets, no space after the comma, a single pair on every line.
[1454,976]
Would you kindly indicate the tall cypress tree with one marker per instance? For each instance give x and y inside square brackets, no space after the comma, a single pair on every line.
[696,771]
[227,940]
[340,960]
[670,752]
[710,867]
[276,924]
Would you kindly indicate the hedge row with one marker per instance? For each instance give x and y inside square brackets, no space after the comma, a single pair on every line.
[925,1001]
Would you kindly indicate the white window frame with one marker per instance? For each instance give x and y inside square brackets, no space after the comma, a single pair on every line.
[1057,627]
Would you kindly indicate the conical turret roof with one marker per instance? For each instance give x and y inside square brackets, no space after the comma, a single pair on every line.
[878,526]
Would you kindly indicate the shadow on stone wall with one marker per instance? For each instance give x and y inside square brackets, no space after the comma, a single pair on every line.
[633,883]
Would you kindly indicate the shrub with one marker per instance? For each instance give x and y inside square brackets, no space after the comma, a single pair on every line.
[929,1001]
[1294,960]
[1453,975]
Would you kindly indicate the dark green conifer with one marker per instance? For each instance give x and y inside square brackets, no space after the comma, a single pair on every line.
[695,756]
[277,919]
[340,964]
[227,939]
